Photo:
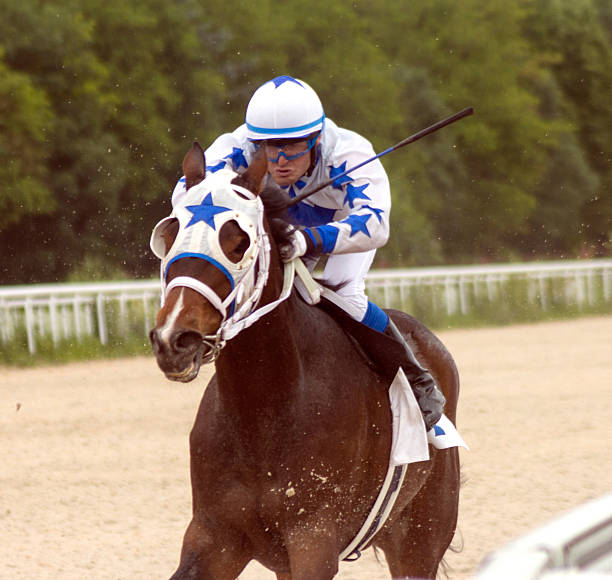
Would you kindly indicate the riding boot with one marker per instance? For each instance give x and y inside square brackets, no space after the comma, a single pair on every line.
[429,397]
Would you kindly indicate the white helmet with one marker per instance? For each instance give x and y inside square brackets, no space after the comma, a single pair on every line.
[284,108]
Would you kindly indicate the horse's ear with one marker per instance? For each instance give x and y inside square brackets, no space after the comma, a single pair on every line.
[194,165]
[253,178]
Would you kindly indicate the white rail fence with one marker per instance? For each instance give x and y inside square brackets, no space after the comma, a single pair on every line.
[73,311]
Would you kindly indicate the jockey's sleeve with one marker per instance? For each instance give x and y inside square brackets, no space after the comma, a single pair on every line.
[231,150]
[364,200]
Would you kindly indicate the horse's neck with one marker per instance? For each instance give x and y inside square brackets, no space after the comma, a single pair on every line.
[269,349]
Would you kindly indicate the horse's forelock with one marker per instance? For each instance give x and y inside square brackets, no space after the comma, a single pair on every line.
[274,199]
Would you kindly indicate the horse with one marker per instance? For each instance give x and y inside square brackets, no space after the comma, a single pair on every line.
[292,437]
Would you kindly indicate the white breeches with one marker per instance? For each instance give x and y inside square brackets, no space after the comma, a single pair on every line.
[349,271]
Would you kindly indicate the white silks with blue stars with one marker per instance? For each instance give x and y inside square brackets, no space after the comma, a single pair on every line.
[350,215]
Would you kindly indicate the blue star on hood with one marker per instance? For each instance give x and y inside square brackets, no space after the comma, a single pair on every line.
[205,212]
[358,224]
[333,171]
[353,192]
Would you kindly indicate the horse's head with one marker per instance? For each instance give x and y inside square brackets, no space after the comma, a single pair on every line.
[214,255]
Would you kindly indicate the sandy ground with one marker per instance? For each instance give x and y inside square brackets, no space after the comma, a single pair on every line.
[94,478]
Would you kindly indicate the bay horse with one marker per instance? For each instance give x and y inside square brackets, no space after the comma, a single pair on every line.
[292,437]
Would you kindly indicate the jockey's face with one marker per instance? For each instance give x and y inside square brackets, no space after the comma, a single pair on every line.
[289,160]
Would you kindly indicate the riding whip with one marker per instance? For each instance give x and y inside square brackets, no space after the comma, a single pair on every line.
[422,133]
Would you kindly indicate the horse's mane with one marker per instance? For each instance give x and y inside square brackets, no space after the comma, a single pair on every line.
[275,200]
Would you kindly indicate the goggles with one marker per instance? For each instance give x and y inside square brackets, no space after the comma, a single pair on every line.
[289,151]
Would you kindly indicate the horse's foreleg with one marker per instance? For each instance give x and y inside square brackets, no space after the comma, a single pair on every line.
[312,556]
[210,554]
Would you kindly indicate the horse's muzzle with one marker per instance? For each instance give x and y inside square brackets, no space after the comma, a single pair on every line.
[178,353]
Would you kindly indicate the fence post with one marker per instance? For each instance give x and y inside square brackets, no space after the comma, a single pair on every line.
[77,317]
[29,319]
[606,274]
[53,318]
[101,319]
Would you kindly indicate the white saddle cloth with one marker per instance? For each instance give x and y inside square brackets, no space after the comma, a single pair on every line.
[410,441]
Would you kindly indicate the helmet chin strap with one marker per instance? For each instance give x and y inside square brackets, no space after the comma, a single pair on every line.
[315,153]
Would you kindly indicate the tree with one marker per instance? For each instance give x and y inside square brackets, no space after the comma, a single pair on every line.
[583,72]
[25,116]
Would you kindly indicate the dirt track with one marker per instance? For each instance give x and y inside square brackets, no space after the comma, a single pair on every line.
[94,479]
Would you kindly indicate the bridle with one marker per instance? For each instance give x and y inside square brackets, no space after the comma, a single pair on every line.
[206,208]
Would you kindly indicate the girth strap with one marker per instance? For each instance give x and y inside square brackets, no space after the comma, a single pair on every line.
[380,512]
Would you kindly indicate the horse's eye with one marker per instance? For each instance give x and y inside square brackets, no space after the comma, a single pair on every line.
[242,247]
[234,241]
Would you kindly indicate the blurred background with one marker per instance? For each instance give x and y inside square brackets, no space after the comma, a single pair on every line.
[100,99]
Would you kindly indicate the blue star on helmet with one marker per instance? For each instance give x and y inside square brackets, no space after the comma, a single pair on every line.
[237,158]
[333,171]
[358,224]
[278,81]
[376,211]
[353,192]
[205,212]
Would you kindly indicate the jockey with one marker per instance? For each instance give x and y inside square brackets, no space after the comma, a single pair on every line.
[346,221]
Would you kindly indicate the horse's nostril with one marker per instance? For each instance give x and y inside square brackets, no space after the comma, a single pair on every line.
[187,340]
[154,338]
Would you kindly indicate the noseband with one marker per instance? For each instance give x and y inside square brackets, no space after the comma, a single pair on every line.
[207,207]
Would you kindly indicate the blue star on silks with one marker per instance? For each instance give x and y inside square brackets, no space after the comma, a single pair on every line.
[353,192]
[215,168]
[237,158]
[376,211]
[205,212]
[358,224]
[333,171]
[278,81]
[299,184]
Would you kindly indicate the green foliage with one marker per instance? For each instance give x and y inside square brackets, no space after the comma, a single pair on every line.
[24,117]
[16,353]
[100,99]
